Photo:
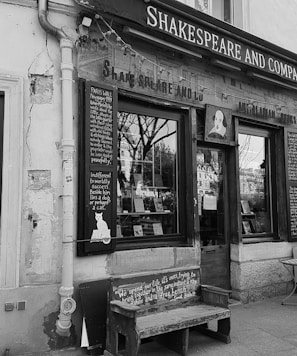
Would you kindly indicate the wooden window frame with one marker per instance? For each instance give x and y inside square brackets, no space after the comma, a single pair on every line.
[271,134]
[12,171]
[184,237]
[86,224]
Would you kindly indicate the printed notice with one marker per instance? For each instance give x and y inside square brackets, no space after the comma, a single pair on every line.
[292,156]
[293,209]
[100,190]
[101,131]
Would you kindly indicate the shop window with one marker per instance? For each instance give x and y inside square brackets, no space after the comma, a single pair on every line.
[255,178]
[230,11]
[148,194]
[221,9]
[201,5]
[133,181]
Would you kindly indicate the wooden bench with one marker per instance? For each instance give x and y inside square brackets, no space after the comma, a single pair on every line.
[166,305]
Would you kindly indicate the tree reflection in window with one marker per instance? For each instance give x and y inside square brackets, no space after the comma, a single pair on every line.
[147,163]
[254,182]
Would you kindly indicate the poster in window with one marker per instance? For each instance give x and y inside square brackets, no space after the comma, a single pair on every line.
[245,207]
[157,228]
[246,227]
[218,124]
[158,204]
[137,230]
[138,205]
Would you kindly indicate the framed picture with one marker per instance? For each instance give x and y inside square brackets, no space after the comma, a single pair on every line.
[246,227]
[138,205]
[158,204]
[245,207]
[157,228]
[218,124]
[137,229]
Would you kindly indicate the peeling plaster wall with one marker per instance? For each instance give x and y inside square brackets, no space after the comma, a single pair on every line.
[31,54]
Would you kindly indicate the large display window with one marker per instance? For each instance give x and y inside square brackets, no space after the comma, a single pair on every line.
[149,172]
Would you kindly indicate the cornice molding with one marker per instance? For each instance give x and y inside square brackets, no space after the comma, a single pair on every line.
[67,8]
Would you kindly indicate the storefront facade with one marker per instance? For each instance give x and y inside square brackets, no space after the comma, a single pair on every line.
[219,106]
[182,154]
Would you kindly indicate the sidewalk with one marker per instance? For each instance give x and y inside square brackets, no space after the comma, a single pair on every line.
[261,328]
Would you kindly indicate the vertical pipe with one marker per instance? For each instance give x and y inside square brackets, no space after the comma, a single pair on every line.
[67,303]
[66,290]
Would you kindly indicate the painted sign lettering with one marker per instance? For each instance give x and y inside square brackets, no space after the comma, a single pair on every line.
[199,36]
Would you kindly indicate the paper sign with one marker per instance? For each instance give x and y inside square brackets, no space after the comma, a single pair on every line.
[209,202]
[84,335]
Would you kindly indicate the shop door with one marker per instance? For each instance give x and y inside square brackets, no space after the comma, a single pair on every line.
[213,214]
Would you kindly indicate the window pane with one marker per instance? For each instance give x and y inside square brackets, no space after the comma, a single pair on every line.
[221,9]
[254,184]
[147,176]
[201,5]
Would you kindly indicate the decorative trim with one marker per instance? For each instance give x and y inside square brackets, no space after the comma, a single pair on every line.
[67,8]
[11,181]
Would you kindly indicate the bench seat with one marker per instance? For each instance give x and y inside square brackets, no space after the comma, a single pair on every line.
[176,319]
[164,305]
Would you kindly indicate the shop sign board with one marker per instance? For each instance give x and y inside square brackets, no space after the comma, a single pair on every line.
[97,169]
[190,30]
[218,124]
[291,172]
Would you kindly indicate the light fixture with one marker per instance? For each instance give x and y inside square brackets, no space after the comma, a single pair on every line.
[271,81]
[225,65]
[86,21]
[159,41]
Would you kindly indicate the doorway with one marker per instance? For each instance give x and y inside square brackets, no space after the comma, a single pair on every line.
[1,141]
[213,214]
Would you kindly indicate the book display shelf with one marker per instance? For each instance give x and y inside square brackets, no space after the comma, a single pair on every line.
[145,210]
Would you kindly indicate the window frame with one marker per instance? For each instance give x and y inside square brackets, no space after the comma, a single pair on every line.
[12,180]
[152,109]
[270,134]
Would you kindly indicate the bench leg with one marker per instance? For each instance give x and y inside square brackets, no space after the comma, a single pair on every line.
[224,330]
[114,342]
[177,341]
[222,333]
[132,344]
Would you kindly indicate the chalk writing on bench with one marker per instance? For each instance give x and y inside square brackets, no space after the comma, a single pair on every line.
[157,288]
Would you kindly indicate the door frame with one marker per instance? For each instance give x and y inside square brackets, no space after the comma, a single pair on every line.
[217,249]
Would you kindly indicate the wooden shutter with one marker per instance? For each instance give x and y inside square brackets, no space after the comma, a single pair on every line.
[97,168]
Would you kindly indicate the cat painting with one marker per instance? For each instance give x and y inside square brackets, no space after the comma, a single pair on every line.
[103,232]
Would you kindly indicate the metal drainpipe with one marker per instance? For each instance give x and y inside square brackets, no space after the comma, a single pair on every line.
[67,303]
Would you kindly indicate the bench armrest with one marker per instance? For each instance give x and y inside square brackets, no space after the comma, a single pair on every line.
[122,308]
[215,295]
